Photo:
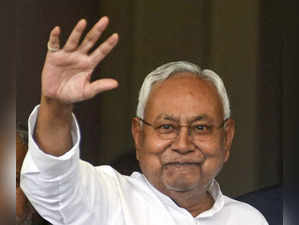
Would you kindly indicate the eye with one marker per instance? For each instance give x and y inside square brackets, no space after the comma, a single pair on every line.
[166,128]
[201,128]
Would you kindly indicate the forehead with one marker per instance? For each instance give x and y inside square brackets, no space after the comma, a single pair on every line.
[184,95]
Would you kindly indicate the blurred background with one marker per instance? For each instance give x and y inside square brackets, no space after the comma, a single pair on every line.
[242,41]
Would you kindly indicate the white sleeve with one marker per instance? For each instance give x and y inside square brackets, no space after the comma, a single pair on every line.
[65,189]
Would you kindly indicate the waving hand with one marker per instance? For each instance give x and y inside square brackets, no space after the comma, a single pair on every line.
[66,75]
[66,79]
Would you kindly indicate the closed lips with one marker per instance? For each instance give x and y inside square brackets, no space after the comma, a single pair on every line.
[181,163]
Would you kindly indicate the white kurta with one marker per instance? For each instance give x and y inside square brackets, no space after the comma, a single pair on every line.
[66,190]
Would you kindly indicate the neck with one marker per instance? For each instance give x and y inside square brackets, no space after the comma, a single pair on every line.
[194,202]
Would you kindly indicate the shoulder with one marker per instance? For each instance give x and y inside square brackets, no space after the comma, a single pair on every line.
[243,211]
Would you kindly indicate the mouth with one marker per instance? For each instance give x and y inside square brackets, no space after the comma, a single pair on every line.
[181,164]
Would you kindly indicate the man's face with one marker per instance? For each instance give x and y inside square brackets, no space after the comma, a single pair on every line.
[187,162]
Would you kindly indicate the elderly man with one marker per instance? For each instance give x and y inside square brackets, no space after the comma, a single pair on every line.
[182,132]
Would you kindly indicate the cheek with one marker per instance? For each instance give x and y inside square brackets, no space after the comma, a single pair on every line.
[149,144]
[214,154]
[212,166]
[212,149]
[154,145]
[149,156]
[149,161]
[149,153]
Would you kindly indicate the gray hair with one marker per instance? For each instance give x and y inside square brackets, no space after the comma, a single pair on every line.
[165,71]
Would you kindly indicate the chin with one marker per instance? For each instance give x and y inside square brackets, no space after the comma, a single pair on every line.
[178,188]
[180,180]
[180,184]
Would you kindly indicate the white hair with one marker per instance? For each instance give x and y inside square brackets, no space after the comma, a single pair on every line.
[165,71]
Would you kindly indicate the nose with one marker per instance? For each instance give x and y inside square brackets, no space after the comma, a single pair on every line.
[183,143]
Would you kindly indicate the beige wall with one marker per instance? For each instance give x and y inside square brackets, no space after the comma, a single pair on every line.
[234,52]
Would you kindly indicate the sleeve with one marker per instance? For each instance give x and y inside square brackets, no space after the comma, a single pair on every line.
[65,189]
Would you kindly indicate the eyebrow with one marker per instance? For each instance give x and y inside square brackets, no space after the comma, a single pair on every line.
[200,118]
[165,116]
[176,119]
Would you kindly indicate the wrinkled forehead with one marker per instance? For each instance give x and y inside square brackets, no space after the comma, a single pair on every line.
[184,95]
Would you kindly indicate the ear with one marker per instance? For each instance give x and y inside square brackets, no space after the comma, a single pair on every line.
[229,130]
[137,133]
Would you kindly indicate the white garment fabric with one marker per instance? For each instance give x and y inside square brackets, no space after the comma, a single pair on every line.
[68,191]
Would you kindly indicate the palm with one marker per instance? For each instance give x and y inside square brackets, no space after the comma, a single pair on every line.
[66,74]
[66,77]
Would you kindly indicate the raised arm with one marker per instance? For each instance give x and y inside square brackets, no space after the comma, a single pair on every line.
[66,79]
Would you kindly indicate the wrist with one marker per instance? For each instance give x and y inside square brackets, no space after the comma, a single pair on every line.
[55,106]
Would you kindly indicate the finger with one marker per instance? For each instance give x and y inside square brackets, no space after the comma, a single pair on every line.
[100,86]
[93,35]
[103,50]
[74,38]
[54,42]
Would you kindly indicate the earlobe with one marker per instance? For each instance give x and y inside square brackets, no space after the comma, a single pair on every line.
[229,136]
[227,154]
